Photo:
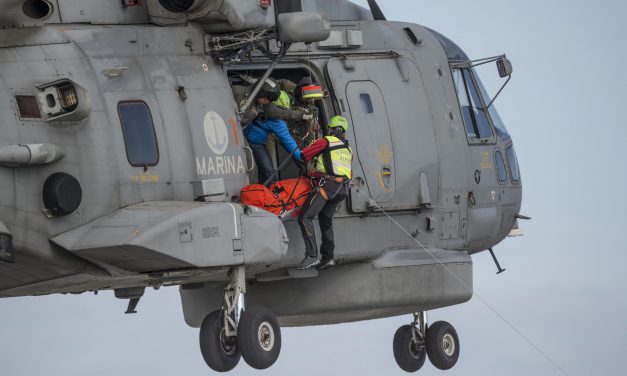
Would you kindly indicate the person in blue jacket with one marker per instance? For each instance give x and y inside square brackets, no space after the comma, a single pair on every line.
[257,133]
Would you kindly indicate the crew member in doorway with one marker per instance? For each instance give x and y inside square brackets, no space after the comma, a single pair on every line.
[306,95]
[281,105]
[260,129]
[281,108]
[330,175]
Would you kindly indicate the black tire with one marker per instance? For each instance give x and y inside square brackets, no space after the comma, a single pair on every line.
[442,345]
[220,354]
[259,337]
[408,355]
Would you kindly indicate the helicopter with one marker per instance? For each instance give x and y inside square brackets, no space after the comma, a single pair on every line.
[122,159]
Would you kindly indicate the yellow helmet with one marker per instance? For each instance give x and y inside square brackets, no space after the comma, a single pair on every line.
[338,121]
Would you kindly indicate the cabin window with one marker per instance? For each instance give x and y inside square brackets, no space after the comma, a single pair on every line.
[28,106]
[512,161]
[139,133]
[472,107]
[411,35]
[501,172]
[366,103]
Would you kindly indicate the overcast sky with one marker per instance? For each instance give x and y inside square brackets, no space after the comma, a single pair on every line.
[564,287]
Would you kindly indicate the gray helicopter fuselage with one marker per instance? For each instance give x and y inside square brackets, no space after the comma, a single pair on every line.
[141,220]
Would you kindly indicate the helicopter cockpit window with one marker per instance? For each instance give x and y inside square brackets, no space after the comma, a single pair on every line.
[464,104]
[498,123]
[513,163]
[472,107]
[501,172]
[139,133]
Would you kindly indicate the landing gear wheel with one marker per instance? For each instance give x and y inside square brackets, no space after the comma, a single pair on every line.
[220,352]
[442,345]
[259,337]
[409,355]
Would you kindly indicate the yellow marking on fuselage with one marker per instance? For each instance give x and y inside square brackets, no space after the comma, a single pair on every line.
[381,183]
[486,162]
[145,178]
[385,154]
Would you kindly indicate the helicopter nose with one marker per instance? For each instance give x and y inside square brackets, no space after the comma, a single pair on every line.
[6,245]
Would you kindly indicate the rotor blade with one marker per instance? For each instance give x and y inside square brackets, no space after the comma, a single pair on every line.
[376,11]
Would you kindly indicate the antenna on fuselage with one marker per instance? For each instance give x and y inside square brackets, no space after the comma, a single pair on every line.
[496,261]
[377,14]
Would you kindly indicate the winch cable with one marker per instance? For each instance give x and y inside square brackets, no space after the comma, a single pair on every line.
[309,61]
[465,285]
[315,122]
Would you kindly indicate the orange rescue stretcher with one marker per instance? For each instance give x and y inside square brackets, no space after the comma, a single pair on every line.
[279,197]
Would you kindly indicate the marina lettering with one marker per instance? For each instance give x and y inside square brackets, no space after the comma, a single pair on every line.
[220,165]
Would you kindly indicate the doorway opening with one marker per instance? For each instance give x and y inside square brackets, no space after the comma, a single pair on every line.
[291,81]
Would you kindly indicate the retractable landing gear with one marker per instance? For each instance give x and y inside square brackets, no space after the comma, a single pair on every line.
[409,344]
[259,337]
[235,332]
[219,351]
[442,345]
[414,342]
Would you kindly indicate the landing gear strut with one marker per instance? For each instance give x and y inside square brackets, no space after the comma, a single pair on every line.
[409,344]
[414,342]
[234,331]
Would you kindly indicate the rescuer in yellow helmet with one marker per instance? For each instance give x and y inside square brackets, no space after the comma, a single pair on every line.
[331,174]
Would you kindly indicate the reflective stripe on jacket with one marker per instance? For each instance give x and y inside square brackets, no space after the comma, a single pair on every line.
[284,100]
[337,159]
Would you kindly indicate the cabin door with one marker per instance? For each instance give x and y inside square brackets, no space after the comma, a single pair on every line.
[393,131]
[373,140]
[362,103]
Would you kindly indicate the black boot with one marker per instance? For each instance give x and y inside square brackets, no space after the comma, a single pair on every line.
[6,248]
[308,262]
[326,264]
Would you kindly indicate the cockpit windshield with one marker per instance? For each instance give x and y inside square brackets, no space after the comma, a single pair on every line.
[473,100]
[498,123]
[473,106]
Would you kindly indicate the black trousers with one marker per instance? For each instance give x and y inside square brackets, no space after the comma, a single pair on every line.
[316,204]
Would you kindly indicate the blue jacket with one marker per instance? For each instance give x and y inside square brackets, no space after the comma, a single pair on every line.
[258,131]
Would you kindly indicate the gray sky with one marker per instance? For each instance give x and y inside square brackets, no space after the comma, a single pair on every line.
[565,281]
